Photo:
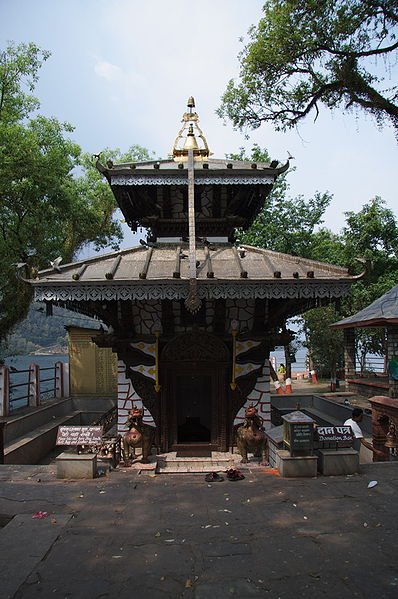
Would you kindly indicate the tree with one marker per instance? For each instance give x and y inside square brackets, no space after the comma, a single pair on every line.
[53,200]
[292,226]
[285,224]
[325,346]
[305,53]
[372,233]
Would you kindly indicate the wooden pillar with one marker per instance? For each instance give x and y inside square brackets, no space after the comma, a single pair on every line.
[34,386]
[349,355]
[4,391]
[2,427]
[392,352]
[59,380]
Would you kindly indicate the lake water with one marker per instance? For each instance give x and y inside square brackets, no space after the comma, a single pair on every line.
[278,357]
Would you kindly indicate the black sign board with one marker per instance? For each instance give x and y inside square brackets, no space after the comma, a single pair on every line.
[301,436]
[79,435]
[298,433]
[334,434]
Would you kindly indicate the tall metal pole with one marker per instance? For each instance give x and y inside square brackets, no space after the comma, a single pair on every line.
[192,302]
[191,216]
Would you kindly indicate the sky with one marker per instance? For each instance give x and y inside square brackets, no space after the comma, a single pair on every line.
[121,72]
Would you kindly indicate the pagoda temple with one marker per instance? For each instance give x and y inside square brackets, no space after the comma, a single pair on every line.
[191,314]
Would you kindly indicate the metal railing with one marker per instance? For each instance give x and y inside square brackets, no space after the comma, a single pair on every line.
[13,386]
[44,392]
[27,387]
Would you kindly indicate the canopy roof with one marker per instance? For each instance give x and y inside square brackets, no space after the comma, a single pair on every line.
[154,194]
[382,312]
[162,272]
[228,194]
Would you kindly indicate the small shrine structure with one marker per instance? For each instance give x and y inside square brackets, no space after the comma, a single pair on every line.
[191,314]
[382,313]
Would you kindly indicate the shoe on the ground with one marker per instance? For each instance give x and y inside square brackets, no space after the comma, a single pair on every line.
[213,477]
[233,474]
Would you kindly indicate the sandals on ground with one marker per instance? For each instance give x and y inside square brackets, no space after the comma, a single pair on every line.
[233,474]
[213,477]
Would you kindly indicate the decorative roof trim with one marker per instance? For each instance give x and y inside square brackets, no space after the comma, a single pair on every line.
[178,180]
[175,291]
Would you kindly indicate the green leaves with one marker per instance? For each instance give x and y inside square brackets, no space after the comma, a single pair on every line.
[288,225]
[19,67]
[294,226]
[53,199]
[305,53]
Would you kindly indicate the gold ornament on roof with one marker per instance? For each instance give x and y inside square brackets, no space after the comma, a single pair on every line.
[188,136]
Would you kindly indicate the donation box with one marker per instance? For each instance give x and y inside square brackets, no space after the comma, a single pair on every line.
[298,433]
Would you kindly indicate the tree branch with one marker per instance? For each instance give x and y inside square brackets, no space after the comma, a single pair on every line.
[353,54]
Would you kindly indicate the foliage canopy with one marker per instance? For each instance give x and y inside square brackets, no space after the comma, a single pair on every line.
[53,201]
[304,53]
[295,226]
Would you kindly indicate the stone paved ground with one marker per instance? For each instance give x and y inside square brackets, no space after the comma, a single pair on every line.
[131,535]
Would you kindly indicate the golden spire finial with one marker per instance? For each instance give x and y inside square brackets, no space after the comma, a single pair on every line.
[186,138]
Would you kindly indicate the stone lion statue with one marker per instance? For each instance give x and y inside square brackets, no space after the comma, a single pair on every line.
[250,437]
[138,435]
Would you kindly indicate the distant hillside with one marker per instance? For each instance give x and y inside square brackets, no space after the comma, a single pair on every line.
[39,332]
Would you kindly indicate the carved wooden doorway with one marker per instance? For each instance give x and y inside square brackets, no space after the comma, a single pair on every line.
[194,393]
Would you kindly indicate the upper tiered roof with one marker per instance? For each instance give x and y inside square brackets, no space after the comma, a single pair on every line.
[154,194]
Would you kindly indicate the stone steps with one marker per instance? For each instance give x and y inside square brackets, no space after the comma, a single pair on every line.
[169,463]
[31,447]
[218,462]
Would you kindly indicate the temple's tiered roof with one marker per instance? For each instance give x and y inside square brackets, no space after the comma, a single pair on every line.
[228,194]
[223,195]
[163,272]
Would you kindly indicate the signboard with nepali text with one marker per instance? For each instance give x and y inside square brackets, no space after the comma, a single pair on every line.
[79,435]
[334,434]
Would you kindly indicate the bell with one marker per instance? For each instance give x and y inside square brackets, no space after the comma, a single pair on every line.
[191,102]
[391,441]
[191,143]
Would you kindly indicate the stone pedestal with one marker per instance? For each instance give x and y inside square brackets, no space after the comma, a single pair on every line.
[275,443]
[292,467]
[72,465]
[338,462]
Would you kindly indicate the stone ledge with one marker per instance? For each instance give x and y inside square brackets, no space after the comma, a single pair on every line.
[72,465]
[297,466]
[338,462]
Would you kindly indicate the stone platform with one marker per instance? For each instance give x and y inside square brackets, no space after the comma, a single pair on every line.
[170,463]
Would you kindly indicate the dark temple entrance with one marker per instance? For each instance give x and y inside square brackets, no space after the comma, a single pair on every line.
[194,395]
[194,403]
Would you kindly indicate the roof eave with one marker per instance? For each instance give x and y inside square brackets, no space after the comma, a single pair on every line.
[364,324]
